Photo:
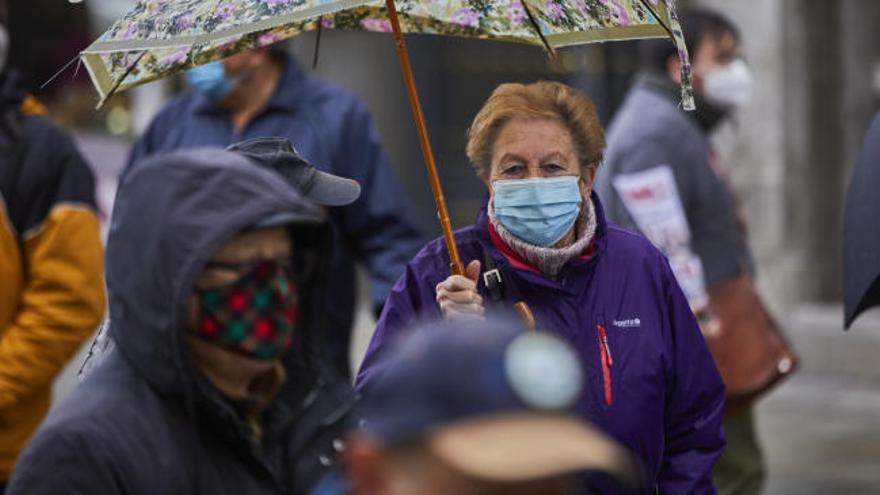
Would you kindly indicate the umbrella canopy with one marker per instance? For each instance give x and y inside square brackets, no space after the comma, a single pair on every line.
[159,38]
[861,230]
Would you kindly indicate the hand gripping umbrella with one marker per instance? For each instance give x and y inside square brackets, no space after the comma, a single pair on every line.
[159,38]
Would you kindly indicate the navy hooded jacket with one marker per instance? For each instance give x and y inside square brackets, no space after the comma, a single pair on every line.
[145,421]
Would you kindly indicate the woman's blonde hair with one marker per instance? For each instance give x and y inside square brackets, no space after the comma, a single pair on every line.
[543,99]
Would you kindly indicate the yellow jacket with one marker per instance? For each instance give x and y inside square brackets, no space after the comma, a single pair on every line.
[51,278]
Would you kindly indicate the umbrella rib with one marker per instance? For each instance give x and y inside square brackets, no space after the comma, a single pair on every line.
[122,78]
[55,76]
[79,64]
[659,19]
[318,42]
[535,25]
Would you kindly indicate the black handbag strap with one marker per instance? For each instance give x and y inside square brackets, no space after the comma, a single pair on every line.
[492,277]
[501,290]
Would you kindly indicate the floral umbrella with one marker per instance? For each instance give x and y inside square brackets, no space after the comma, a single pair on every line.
[159,38]
[163,37]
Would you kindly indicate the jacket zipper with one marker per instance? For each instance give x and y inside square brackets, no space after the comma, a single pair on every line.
[607,363]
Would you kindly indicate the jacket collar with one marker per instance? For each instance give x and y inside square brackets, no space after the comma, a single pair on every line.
[285,98]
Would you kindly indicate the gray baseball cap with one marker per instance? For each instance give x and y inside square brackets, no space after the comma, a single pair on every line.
[278,154]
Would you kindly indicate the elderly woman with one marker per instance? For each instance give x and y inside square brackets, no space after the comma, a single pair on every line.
[652,383]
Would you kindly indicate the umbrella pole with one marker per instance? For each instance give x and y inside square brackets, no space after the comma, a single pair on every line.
[436,187]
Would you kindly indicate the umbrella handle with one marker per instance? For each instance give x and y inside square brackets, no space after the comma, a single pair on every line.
[456,267]
[455,264]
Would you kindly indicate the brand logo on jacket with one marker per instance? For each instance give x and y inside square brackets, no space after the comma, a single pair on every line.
[628,323]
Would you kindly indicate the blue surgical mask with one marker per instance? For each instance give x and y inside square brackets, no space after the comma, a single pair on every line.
[212,80]
[538,211]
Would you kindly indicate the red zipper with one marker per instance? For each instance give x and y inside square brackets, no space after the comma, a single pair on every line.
[607,363]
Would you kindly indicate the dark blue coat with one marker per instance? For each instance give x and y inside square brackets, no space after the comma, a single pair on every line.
[658,392]
[335,133]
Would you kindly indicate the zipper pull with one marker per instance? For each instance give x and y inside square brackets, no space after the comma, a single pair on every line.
[607,347]
[607,362]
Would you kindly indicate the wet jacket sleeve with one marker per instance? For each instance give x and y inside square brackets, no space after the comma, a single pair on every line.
[694,403]
[379,225]
[62,298]
[411,298]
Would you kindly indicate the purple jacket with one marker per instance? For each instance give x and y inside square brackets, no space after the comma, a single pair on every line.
[651,382]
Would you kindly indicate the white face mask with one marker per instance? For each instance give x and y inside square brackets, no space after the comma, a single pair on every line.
[4,47]
[729,85]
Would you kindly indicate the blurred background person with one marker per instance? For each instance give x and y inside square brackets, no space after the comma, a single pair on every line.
[51,278]
[662,177]
[480,408]
[217,382]
[264,93]
[542,238]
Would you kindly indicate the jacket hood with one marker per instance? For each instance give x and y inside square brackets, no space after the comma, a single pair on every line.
[171,214]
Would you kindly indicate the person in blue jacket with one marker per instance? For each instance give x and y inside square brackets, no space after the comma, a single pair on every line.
[542,238]
[264,93]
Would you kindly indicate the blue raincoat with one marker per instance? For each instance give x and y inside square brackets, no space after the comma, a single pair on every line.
[650,380]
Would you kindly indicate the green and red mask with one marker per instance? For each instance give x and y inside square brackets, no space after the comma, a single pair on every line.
[254,316]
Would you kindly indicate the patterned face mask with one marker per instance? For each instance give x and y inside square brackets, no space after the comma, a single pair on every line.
[255,315]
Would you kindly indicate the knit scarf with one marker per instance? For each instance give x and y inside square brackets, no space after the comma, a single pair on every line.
[549,261]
